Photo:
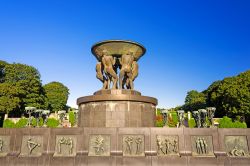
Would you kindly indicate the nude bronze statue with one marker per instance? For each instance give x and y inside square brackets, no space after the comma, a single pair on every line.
[134,70]
[100,76]
[108,63]
[125,75]
[117,58]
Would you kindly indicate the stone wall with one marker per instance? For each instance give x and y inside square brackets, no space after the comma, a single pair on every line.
[116,114]
[124,146]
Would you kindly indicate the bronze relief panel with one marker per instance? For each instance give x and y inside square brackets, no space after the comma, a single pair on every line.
[4,145]
[133,145]
[167,145]
[65,145]
[32,146]
[202,146]
[99,145]
[236,146]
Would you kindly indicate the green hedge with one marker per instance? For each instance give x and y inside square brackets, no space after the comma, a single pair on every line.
[191,123]
[8,124]
[53,123]
[159,124]
[21,123]
[33,122]
[72,118]
[227,122]
[172,122]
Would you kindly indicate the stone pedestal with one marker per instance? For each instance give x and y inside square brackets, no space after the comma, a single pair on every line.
[116,108]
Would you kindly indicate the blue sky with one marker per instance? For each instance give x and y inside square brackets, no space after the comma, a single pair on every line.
[190,44]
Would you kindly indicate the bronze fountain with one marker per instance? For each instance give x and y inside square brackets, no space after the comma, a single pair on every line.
[117,68]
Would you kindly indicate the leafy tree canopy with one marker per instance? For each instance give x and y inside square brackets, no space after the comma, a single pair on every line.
[21,87]
[231,95]
[57,96]
[2,68]
[194,100]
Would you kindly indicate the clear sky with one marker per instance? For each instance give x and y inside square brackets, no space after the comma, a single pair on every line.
[190,44]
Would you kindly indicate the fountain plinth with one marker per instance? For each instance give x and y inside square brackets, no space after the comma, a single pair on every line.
[117,104]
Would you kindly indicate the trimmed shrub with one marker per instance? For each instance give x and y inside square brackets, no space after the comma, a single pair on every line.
[21,123]
[159,120]
[172,119]
[191,123]
[72,118]
[53,123]
[159,124]
[238,124]
[33,122]
[8,124]
[227,122]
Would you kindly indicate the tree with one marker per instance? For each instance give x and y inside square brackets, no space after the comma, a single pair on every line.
[9,98]
[214,98]
[2,72]
[232,95]
[57,96]
[194,100]
[21,87]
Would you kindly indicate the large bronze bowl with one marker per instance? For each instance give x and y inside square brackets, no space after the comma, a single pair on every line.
[117,48]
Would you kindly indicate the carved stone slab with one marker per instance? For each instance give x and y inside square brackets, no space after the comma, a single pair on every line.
[65,145]
[32,146]
[133,145]
[4,145]
[236,146]
[99,145]
[202,146]
[167,145]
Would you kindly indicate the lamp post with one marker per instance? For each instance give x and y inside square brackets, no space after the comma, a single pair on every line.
[180,114]
[29,111]
[165,117]
[45,115]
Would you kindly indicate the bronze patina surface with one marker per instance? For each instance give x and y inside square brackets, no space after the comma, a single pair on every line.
[117,61]
[117,95]
[117,48]
[117,104]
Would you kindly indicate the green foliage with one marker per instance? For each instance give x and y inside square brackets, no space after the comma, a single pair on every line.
[21,123]
[227,122]
[231,96]
[52,122]
[159,124]
[72,118]
[2,70]
[191,123]
[8,124]
[33,122]
[9,97]
[194,101]
[173,119]
[159,118]
[40,124]
[158,111]
[21,86]
[57,96]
